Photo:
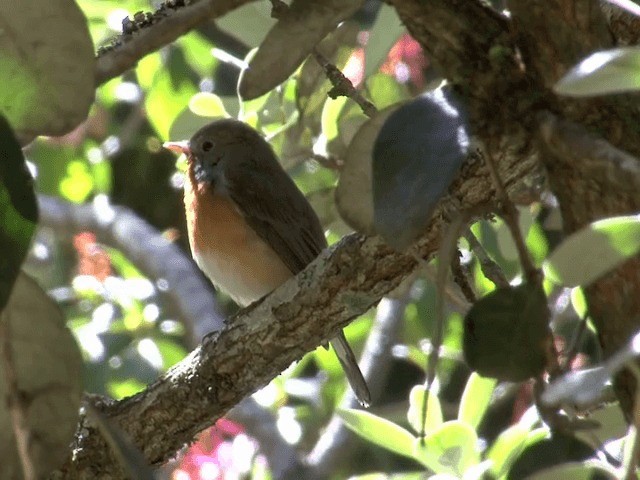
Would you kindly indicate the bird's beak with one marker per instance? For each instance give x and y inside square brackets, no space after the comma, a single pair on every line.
[178,147]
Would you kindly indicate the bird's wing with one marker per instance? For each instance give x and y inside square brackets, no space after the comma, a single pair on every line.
[286,221]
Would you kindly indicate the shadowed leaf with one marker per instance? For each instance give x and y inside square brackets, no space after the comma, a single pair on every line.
[415,158]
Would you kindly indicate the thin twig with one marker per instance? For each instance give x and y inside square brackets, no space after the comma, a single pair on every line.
[15,403]
[461,278]
[144,36]
[510,216]
[489,268]
[342,86]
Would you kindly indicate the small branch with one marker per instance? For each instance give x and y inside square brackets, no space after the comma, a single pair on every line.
[342,86]
[510,216]
[489,268]
[461,278]
[152,32]
[15,402]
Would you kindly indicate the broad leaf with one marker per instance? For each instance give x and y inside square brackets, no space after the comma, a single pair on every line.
[48,367]
[475,399]
[594,250]
[46,67]
[379,431]
[298,31]
[354,196]
[452,449]
[18,210]
[416,156]
[601,73]
[506,448]
[385,32]
[416,404]
[506,332]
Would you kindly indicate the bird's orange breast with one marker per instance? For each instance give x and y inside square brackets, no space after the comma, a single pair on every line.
[227,249]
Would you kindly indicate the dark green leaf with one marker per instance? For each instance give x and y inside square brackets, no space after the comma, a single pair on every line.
[506,332]
[18,210]
[415,158]
[549,452]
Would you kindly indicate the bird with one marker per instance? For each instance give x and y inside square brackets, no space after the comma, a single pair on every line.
[250,228]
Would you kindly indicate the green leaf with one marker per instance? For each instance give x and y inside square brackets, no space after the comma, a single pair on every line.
[475,399]
[434,410]
[452,449]
[78,183]
[379,431]
[594,250]
[18,210]
[384,90]
[579,302]
[207,104]
[172,352]
[506,449]
[46,66]
[505,333]
[385,32]
[123,265]
[601,73]
[330,114]
[166,99]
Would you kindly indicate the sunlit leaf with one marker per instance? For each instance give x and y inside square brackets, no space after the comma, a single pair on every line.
[452,448]
[207,104]
[384,90]
[416,404]
[506,448]
[601,73]
[594,250]
[475,399]
[166,99]
[379,431]
[78,183]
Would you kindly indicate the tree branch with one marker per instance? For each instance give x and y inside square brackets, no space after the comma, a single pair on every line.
[263,339]
[166,26]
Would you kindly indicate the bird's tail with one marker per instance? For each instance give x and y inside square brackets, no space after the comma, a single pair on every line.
[350,366]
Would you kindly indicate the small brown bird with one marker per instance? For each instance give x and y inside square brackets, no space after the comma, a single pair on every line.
[250,228]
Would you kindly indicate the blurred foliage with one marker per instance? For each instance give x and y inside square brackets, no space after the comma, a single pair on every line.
[119,317]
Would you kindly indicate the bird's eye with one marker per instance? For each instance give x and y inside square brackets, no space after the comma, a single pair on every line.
[207,145]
